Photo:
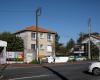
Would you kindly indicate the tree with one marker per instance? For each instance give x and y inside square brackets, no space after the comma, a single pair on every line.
[13,43]
[70,45]
[57,44]
[61,51]
[59,48]
[94,49]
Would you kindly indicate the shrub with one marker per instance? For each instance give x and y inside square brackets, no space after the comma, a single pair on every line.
[34,62]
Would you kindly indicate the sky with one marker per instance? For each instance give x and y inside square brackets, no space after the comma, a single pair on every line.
[66,17]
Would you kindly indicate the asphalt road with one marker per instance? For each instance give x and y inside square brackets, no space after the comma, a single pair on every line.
[51,72]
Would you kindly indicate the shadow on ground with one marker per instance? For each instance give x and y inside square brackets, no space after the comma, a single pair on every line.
[56,73]
[86,72]
[2,69]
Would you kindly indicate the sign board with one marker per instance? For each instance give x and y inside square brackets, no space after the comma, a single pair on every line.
[10,54]
[15,56]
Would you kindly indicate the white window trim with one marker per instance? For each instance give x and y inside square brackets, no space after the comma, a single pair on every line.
[42,37]
[42,48]
[32,37]
[51,38]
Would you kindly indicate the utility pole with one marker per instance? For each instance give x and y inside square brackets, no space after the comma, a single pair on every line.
[89,42]
[98,45]
[38,13]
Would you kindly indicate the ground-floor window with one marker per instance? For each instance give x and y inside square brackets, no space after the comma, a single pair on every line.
[33,46]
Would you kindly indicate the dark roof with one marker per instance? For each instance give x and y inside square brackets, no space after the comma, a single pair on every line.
[95,36]
[33,29]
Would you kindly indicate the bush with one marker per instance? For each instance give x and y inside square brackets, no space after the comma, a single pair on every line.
[34,62]
[72,60]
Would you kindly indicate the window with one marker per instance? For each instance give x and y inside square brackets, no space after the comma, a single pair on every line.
[41,47]
[49,36]
[33,35]
[49,48]
[33,46]
[41,35]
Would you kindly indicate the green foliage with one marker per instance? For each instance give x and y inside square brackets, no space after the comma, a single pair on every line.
[13,43]
[34,61]
[57,44]
[94,49]
[70,45]
[61,51]
[72,60]
[59,48]
[94,52]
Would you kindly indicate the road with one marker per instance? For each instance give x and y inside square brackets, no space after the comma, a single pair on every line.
[51,72]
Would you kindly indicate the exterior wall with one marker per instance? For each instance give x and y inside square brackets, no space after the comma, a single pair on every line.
[26,36]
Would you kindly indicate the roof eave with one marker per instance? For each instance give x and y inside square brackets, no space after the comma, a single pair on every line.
[32,31]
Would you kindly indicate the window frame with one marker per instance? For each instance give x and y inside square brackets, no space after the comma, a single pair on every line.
[41,48]
[42,36]
[33,36]
[49,36]
[34,47]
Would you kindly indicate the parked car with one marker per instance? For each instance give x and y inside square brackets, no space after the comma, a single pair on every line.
[80,58]
[95,68]
[77,58]
[71,58]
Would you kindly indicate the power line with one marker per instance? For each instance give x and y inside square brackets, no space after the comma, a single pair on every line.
[16,10]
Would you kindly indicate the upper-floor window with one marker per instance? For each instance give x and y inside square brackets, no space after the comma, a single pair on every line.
[33,35]
[41,35]
[41,47]
[49,36]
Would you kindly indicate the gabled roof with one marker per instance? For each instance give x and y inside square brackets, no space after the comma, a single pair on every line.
[33,29]
[92,38]
[96,37]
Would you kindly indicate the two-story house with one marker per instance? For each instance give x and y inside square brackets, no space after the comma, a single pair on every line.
[46,41]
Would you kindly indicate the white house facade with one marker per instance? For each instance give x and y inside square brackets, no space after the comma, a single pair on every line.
[46,42]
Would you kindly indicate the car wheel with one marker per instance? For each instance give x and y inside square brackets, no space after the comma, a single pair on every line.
[96,71]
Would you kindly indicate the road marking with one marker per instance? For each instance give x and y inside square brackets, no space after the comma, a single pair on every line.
[21,67]
[29,77]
